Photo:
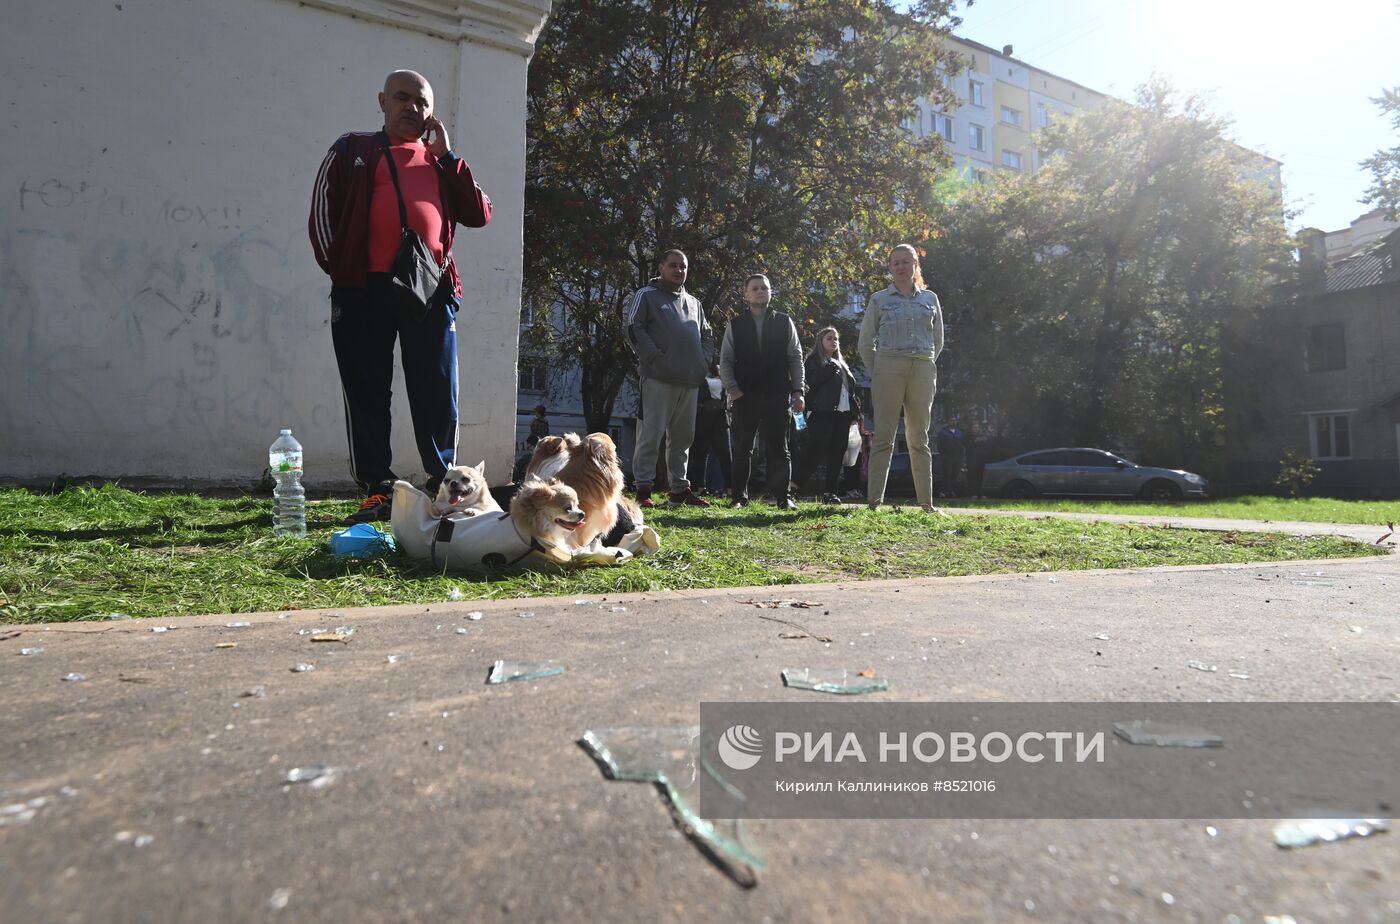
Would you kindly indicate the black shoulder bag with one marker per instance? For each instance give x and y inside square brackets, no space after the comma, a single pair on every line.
[414,275]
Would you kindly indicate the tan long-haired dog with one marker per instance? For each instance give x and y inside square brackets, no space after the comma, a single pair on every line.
[589,466]
[548,511]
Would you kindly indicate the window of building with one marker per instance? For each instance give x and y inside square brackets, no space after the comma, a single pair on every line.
[532,374]
[1042,115]
[1325,347]
[914,122]
[1011,159]
[979,175]
[946,79]
[1010,116]
[943,125]
[976,137]
[974,92]
[1331,436]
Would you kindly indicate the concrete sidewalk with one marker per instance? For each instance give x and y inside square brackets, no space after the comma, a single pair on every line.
[457,801]
[1361,532]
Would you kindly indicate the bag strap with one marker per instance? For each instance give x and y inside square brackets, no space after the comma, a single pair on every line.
[394,175]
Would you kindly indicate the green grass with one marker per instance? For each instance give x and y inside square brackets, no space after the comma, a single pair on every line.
[1276,509]
[86,552]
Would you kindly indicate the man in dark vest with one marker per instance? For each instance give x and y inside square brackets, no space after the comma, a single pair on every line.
[760,363]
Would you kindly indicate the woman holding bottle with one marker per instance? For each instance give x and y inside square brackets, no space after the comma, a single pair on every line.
[832,406]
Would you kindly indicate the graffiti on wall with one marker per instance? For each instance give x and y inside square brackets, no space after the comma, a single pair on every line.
[129,314]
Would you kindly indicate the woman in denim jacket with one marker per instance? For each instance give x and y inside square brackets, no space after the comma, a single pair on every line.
[901,336]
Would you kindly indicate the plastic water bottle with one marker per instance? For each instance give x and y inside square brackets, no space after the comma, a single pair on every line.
[289,497]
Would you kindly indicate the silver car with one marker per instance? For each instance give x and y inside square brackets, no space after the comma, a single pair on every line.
[1090,473]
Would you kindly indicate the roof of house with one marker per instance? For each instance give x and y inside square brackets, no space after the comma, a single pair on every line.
[1372,267]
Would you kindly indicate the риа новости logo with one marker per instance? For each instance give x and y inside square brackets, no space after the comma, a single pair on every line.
[740,747]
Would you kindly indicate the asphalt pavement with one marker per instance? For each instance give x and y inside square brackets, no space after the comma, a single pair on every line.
[154,789]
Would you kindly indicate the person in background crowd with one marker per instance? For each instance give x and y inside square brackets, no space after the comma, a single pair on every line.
[711,431]
[901,336]
[675,348]
[760,363]
[832,406]
[539,424]
[853,479]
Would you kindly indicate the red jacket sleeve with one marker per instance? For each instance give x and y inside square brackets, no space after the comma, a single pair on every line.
[327,199]
[470,206]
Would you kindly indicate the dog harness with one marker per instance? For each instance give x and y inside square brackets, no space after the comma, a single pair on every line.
[489,539]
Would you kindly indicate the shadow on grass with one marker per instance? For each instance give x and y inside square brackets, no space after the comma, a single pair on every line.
[752,516]
[159,526]
[321,564]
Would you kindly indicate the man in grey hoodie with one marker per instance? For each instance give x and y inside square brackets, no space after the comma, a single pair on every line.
[675,347]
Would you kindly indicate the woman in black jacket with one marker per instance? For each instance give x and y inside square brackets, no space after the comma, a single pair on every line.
[832,406]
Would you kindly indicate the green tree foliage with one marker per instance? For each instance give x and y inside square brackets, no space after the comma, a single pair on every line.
[1385,164]
[755,136]
[1087,299]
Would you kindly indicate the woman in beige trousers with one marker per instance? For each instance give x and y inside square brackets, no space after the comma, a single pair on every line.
[901,336]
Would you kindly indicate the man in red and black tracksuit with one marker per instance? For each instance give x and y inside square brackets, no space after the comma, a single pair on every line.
[355,233]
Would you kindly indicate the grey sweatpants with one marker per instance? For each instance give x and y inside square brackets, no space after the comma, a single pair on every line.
[667,410]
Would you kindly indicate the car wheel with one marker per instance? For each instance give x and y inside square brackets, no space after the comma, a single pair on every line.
[1160,490]
[1019,490]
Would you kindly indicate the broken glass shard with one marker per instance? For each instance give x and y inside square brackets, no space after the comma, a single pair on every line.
[669,757]
[74,678]
[303,668]
[506,671]
[1103,638]
[31,651]
[1303,832]
[394,659]
[318,775]
[241,624]
[1202,666]
[113,617]
[1166,734]
[456,594]
[474,615]
[833,680]
[462,630]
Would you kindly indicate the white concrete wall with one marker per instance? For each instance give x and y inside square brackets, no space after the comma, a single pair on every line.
[161,310]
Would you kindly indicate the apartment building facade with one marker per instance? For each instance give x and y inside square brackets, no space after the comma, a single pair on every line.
[1002,102]
[1318,373]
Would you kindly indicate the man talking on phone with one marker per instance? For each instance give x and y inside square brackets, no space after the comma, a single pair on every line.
[359,208]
